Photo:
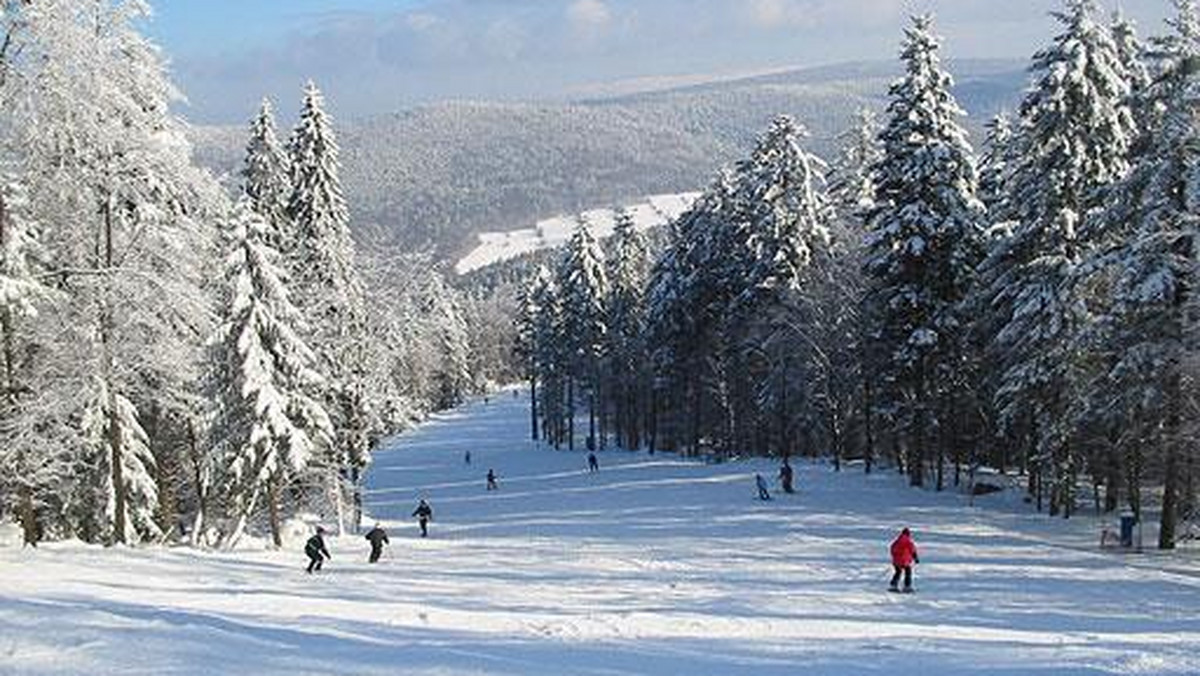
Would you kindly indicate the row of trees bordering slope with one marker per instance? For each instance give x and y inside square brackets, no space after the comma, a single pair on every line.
[1031,311]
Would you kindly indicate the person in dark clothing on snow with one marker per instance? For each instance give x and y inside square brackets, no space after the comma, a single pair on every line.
[378,538]
[593,463]
[904,555]
[761,483]
[424,514]
[491,480]
[785,477]
[316,551]
[467,458]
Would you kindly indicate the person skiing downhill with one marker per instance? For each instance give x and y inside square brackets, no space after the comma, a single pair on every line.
[378,538]
[761,483]
[491,480]
[424,514]
[904,555]
[316,551]
[593,463]
[785,477]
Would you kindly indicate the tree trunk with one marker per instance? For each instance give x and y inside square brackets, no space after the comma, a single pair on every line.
[533,408]
[273,509]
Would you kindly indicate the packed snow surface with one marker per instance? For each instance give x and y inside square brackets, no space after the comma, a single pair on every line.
[653,565]
[496,247]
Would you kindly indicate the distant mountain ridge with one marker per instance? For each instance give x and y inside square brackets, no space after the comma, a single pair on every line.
[441,174]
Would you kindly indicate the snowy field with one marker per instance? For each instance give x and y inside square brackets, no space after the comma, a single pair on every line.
[496,247]
[651,566]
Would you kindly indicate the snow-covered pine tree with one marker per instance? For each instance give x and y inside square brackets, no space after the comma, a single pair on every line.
[525,347]
[1154,306]
[267,425]
[329,292]
[30,468]
[786,215]
[123,216]
[995,166]
[454,379]
[268,177]
[839,295]
[583,289]
[1076,132]
[923,246]
[852,176]
[628,269]
[548,355]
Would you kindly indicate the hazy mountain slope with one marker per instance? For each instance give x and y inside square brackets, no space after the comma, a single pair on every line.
[444,172]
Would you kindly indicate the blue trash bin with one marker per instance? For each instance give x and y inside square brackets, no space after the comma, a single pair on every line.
[1128,521]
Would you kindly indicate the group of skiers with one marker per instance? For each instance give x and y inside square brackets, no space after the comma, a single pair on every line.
[903,549]
[786,476]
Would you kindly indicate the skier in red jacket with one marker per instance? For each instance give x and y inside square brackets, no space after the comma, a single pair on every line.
[904,555]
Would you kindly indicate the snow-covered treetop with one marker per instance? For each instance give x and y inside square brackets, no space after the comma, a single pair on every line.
[323,248]
[267,174]
[1077,127]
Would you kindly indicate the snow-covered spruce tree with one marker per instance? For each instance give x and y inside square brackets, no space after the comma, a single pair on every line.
[330,294]
[995,167]
[852,176]
[583,291]
[787,214]
[839,296]
[525,346]
[923,245]
[266,425]
[123,215]
[548,355]
[688,294]
[268,177]
[30,468]
[1154,303]
[1076,131]
[628,269]
[454,378]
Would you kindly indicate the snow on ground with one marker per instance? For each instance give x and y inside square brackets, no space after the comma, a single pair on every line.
[495,247]
[654,565]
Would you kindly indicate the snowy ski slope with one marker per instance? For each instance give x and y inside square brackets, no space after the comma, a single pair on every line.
[652,566]
[496,247]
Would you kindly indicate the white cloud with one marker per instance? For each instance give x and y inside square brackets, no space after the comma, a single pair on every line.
[589,14]
[780,13]
[421,21]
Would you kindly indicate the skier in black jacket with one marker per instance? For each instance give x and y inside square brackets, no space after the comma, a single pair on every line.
[316,551]
[424,514]
[378,538]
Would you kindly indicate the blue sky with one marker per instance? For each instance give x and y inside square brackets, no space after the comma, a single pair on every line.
[377,56]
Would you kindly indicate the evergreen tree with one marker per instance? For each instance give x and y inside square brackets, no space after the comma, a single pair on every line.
[267,174]
[31,469]
[923,246]
[266,427]
[330,292]
[628,269]
[1153,298]
[1076,132]
[583,288]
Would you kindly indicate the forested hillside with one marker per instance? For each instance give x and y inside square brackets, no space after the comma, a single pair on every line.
[441,173]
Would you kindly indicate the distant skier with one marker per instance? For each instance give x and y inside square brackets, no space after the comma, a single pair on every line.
[424,514]
[785,477]
[316,551]
[759,481]
[467,458]
[593,463]
[491,480]
[378,538]
[904,555]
